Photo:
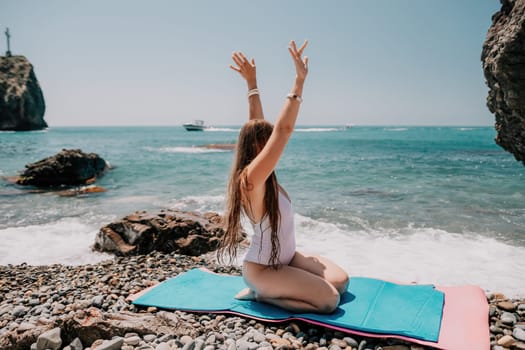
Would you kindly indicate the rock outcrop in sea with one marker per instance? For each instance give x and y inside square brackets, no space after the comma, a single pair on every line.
[503,59]
[69,167]
[22,103]
[167,231]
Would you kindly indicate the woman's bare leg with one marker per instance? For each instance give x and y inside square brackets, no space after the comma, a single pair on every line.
[291,288]
[323,268]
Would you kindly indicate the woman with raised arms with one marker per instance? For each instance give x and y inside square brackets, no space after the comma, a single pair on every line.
[273,270]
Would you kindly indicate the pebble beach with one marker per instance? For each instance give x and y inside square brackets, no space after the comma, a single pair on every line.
[85,307]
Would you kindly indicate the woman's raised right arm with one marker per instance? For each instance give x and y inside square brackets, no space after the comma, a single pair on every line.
[248,71]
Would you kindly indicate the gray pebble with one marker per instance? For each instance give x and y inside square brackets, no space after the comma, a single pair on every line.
[199,344]
[508,318]
[5,309]
[242,344]
[351,342]
[98,301]
[25,326]
[270,336]
[163,346]
[518,333]
[258,337]
[145,347]
[189,345]
[185,339]
[33,302]
[19,311]
[492,310]
[495,329]
[149,338]
[113,344]
[211,339]
[49,340]
[165,338]
[133,340]
[76,344]
[230,343]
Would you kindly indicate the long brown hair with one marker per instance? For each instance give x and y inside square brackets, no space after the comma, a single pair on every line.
[252,139]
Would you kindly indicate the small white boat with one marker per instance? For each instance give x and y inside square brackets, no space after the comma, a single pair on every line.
[197,125]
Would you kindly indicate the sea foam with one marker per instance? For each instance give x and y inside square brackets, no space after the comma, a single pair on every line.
[422,255]
[67,241]
[417,255]
[194,149]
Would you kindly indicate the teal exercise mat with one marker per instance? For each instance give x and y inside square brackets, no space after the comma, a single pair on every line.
[369,305]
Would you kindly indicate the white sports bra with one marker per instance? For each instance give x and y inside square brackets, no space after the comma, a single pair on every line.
[261,246]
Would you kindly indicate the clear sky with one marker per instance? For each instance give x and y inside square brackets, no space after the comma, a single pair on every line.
[376,62]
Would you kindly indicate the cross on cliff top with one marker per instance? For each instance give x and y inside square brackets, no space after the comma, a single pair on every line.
[8,36]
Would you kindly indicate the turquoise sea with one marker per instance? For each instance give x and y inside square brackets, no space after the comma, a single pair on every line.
[441,205]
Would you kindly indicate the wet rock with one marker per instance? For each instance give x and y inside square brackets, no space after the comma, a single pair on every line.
[176,231]
[78,191]
[67,168]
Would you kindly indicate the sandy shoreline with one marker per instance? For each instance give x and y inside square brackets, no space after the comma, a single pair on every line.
[87,303]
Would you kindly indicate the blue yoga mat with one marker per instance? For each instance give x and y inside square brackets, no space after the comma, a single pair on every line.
[369,305]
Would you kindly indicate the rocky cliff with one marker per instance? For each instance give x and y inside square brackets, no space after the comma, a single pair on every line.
[22,103]
[503,59]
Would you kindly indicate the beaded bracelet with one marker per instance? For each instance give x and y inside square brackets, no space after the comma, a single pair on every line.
[293,96]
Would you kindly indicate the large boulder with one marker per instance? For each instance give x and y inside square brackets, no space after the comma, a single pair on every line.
[503,59]
[22,103]
[67,168]
[187,233]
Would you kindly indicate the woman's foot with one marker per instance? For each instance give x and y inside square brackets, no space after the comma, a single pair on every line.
[245,294]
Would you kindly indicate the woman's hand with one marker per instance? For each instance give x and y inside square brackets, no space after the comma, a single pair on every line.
[301,64]
[244,67]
